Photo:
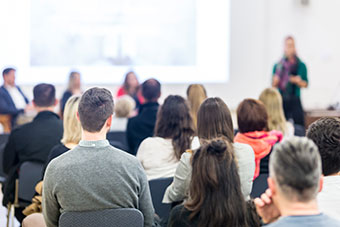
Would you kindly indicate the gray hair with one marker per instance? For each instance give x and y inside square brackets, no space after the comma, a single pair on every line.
[295,165]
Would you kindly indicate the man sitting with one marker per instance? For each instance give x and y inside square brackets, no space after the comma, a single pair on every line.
[94,175]
[294,182]
[12,99]
[143,125]
[326,135]
[32,141]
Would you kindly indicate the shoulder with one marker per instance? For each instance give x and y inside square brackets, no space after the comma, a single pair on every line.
[242,148]
[179,215]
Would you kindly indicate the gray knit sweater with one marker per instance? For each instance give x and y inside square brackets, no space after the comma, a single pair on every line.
[95,176]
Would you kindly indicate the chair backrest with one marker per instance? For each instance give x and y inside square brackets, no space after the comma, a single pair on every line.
[157,189]
[29,176]
[260,185]
[3,142]
[104,218]
[117,136]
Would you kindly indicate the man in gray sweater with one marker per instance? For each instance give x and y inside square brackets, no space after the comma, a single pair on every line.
[95,175]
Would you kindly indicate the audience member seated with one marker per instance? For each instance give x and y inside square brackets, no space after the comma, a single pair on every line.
[174,133]
[32,141]
[252,119]
[215,192]
[326,135]
[124,109]
[294,182]
[12,100]
[131,87]
[272,100]
[142,126]
[213,121]
[72,130]
[74,88]
[196,94]
[94,175]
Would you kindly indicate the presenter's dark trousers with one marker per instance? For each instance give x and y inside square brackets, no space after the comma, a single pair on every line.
[293,110]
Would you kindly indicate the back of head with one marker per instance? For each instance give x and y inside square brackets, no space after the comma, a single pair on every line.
[151,90]
[295,166]
[196,94]
[252,116]
[44,95]
[95,107]
[272,100]
[214,120]
[174,121]
[124,106]
[325,133]
[72,127]
[215,190]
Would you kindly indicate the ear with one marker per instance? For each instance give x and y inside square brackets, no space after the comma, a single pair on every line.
[321,183]
[78,116]
[56,102]
[272,185]
[34,105]
[109,121]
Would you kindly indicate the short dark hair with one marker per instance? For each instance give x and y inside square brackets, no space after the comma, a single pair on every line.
[252,116]
[325,133]
[7,70]
[95,107]
[44,95]
[151,89]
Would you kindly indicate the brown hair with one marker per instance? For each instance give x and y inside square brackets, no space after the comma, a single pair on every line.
[174,121]
[196,94]
[252,116]
[214,120]
[127,87]
[215,196]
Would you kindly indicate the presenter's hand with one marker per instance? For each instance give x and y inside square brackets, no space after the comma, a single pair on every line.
[295,79]
[276,80]
[266,208]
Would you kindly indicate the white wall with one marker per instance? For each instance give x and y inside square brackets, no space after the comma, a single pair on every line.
[258,28]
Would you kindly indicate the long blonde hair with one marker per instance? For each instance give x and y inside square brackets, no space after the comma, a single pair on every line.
[72,127]
[196,94]
[272,100]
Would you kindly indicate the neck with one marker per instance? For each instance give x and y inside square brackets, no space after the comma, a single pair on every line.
[93,136]
[8,85]
[289,208]
[151,101]
[41,109]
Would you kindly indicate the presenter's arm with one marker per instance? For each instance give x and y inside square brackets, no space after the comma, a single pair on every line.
[301,79]
[275,78]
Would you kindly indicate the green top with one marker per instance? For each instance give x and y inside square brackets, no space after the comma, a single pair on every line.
[302,72]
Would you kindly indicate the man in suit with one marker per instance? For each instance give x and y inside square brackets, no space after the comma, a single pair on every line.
[12,100]
[32,141]
[142,126]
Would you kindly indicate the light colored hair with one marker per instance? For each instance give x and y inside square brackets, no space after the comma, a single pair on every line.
[72,127]
[295,165]
[272,100]
[124,106]
[196,94]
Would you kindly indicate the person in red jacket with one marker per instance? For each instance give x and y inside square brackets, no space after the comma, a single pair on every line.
[131,87]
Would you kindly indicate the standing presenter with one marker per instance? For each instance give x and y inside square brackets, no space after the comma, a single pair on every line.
[289,76]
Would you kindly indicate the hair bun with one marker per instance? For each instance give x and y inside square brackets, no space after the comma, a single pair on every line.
[217,146]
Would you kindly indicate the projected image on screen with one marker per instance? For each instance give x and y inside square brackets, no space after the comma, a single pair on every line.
[113,33]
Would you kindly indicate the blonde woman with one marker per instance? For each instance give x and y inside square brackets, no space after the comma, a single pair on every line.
[196,94]
[72,129]
[272,100]
[123,110]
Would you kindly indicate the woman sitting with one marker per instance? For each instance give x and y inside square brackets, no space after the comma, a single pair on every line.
[252,119]
[272,100]
[215,191]
[213,121]
[174,133]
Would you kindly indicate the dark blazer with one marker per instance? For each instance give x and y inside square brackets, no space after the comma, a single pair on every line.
[30,142]
[7,105]
[67,94]
[141,126]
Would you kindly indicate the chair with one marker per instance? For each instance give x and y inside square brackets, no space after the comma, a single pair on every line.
[260,185]
[117,136]
[3,142]
[103,218]
[5,120]
[157,189]
[299,130]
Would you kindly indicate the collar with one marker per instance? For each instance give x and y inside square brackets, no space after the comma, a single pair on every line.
[46,114]
[94,144]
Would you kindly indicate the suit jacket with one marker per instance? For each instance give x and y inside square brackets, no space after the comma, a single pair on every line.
[141,126]
[30,142]
[7,105]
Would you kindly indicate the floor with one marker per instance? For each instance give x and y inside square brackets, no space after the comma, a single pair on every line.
[3,213]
